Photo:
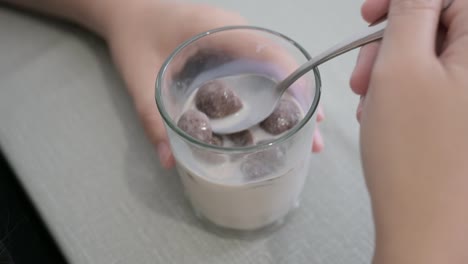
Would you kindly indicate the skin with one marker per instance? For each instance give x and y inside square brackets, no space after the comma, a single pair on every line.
[414,104]
[413,117]
[139,45]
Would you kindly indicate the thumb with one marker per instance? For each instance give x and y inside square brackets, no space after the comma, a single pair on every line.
[412,28]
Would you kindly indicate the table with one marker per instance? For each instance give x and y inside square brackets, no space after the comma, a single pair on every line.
[69,131]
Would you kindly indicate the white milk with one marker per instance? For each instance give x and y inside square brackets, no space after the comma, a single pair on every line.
[221,193]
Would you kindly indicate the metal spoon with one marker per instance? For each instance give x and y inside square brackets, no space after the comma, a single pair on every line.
[261,94]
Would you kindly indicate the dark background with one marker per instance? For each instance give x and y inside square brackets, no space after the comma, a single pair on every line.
[24,238]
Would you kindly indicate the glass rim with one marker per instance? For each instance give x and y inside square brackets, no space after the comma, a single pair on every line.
[171,123]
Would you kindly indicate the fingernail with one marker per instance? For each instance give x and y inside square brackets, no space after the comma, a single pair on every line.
[164,153]
[318,144]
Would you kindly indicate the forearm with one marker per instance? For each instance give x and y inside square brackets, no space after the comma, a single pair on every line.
[95,15]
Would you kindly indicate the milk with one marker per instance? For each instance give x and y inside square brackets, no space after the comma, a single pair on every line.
[222,192]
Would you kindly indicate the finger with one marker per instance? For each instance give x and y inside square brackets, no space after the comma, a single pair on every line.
[154,128]
[372,10]
[456,20]
[140,82]
[166,158]
[320,114]
[361,75]
[155,131]
[317,145]
[411,30]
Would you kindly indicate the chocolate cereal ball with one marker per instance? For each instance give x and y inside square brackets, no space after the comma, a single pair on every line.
[285,116]
[196,124]
[263,163]
[217,100]
[216,140]
[242,138]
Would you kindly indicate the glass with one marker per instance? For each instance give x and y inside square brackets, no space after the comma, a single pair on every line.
[239,188]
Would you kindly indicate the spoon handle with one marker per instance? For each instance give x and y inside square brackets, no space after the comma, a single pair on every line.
[370,34]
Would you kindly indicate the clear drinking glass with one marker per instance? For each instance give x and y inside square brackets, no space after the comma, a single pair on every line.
[239,188]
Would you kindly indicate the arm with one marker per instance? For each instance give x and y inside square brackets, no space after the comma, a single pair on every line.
[93,15]
[413,132]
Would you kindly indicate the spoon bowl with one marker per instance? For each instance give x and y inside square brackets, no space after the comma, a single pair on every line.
[261,94]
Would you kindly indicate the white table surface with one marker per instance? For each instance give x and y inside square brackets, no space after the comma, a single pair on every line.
[68,128]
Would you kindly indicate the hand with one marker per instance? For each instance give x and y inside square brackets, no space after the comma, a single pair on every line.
[143,36]
[414,131]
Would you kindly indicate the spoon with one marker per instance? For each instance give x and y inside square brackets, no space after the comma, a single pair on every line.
[263,93]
